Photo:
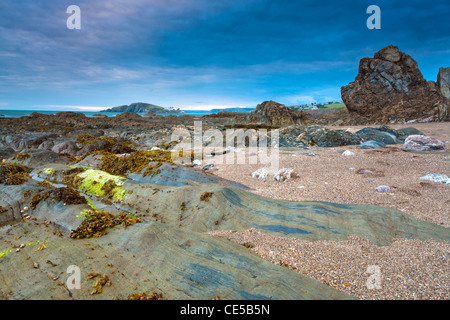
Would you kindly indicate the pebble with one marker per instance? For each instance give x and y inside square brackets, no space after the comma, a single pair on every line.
[348,153]
[437,178]
[382,188]
[283,174]
[208,166]
[261,173]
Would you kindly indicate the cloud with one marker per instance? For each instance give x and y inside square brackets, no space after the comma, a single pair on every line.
[68,108]
[213,52]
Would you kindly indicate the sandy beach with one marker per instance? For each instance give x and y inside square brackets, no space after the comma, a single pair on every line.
[410,269]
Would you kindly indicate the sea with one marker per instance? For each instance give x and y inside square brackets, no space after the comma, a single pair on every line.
[22,113]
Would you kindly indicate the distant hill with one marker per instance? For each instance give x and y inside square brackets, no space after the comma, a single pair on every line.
[141,107]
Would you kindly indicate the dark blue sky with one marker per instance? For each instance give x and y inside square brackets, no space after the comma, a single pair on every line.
[204,53]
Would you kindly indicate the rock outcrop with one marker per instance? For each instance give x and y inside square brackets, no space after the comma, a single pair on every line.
[276,114]
[390,88]
[443,82]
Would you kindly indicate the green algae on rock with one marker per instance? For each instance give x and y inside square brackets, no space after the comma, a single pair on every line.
[101,184]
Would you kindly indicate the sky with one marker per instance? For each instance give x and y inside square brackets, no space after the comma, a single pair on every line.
[203,54]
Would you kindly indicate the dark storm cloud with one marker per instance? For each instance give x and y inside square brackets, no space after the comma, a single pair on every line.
[232,51]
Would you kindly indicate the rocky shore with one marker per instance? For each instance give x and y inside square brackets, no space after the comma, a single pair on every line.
[348,207]
[100,192]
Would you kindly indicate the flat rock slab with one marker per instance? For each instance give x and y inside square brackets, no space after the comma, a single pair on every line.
[147,257]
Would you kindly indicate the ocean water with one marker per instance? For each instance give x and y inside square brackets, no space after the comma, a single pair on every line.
[22,113]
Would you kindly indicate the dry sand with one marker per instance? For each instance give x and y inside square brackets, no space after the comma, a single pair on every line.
[409,269]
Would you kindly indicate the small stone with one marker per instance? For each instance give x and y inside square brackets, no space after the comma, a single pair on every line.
[283,174]
[208,166]
[382,188]
[260,173]
[348,153]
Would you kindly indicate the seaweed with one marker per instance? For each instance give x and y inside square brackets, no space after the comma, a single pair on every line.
[206,196]
[69,196]
[38,197]
[45,184]
[2,210]
[112,145]
[21,156]
[145,296]
[140,160]
[248,244]
[96,223]
[98,285]
[14,173]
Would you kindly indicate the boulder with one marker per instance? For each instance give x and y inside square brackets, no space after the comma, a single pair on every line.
[443,82]
[66,147]
[390,88]
[423,143]
[6,153]
[276,114]
[383,135]
[97,145]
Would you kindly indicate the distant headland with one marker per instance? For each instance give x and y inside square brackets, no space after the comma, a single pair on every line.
[141,107]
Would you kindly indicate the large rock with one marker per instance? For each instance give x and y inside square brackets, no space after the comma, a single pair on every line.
[276,114]
[443,82]
[390,88]
[66,147]
[423,143]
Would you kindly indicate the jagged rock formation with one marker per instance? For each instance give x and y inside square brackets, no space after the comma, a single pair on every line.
[276,114]
[390,88]
[443,81]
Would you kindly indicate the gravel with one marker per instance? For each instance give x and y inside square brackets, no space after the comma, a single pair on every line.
[408,269]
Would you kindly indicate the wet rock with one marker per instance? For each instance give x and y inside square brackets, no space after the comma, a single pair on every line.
[66,147]
[6,153]
[403,133]
[97,145]
[35,158]
[47,145]
[316,136]
[423,143]
[371,144]
[383,135]
[208,166]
